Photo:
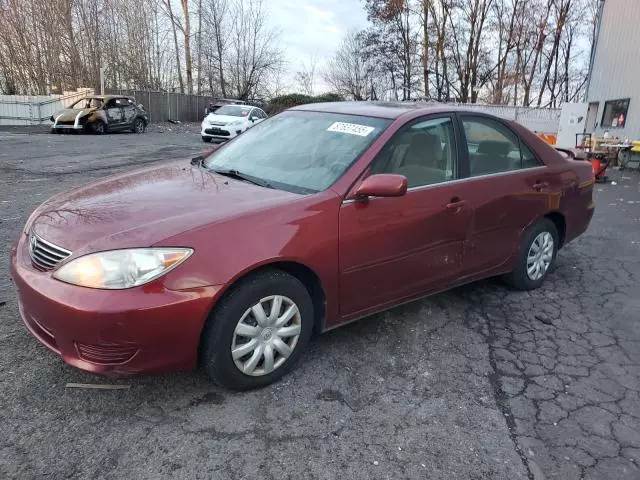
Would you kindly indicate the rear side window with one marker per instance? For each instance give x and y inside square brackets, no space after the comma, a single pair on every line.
[494,148]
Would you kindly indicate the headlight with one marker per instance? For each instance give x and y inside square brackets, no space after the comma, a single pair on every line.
[119,269]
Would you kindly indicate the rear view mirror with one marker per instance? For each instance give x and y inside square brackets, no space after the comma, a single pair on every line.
[382,185]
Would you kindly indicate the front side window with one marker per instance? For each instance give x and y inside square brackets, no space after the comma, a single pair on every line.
[423,151]
[298,151]
[615,113]
[88,103]
[494,148]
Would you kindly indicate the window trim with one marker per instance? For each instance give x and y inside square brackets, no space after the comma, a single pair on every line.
[465,146]
[604,111]
[347,201]
[424,118]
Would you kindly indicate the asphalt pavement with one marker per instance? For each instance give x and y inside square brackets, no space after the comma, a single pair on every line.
[478,383]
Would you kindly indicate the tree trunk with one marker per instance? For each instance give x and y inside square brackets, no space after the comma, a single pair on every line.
[187,45]
[175,42]
[199,90]
[425,46]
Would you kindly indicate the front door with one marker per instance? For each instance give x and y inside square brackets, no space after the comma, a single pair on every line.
[129,111]
[592,118]
[114,112]
[393,249]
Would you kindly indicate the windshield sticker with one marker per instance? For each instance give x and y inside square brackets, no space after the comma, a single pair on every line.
[351,129]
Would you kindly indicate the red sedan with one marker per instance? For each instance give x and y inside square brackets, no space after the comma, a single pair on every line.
[319,216]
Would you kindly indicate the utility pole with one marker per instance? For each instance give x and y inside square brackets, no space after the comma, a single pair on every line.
[102,69]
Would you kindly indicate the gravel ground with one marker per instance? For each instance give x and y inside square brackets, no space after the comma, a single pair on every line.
[479,383]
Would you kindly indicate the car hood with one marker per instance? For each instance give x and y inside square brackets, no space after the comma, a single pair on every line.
[225,119]
[141,208]
[68,114]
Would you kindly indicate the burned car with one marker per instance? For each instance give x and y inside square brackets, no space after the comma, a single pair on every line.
[100,114]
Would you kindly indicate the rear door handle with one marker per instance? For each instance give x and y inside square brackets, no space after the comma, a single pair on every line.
[540,185]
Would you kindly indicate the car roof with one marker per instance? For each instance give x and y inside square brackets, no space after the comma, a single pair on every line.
[389,110]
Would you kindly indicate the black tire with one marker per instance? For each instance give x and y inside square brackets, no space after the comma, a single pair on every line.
[219,331]
[98,127]
[206,139]
[139,126]
[519,277]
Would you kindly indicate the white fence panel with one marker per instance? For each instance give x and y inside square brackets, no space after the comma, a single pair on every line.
[36,109]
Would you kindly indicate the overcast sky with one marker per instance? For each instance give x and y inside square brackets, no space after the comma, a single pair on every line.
[313,27]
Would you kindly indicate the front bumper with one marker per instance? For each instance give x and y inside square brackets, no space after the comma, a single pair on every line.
[67,127]
[147,329]
[226,132]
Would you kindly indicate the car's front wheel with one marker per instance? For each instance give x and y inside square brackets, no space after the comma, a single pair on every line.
[258,331]
[206,139]
[139,126]
[98,127]
[536,256]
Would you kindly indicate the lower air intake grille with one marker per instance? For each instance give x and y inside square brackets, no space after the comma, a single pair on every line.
[106,354]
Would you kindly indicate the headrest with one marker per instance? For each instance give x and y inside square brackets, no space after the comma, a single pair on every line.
[494,147]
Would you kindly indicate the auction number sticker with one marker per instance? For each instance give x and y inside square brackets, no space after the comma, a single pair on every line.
[351,129]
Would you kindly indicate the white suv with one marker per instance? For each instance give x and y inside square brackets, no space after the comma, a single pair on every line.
[230,121]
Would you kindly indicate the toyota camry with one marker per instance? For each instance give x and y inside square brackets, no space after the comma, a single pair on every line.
[319,216]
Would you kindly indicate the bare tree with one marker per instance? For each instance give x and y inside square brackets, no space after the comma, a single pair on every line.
[216,23]
[253,54]
[305,77]
[346,72]
[174,28]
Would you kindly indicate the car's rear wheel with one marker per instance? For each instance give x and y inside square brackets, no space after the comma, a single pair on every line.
[536,256]
[139,126]
[206,139]
[98,127]
[258,331]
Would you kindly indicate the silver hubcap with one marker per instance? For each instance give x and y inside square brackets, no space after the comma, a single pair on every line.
[266,335]
[540,256]
[139,126]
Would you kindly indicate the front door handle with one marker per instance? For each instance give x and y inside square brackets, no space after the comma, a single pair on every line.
[456,204]
[540,185]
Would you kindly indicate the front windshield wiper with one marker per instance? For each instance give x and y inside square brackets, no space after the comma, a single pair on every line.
[241,176]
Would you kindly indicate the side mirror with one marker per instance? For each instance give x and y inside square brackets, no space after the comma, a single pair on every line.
[382,185]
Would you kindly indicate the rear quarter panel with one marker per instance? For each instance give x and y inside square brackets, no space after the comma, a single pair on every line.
[572,183]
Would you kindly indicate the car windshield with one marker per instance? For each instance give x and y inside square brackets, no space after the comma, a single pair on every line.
[233,111]
[298,151]
[88,103]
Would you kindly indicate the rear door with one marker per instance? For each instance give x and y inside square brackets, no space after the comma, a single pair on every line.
[395,248]
[508,188]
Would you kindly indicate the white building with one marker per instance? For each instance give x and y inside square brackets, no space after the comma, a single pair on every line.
[613,90]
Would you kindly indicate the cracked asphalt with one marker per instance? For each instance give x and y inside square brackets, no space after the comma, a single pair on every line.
[478,383]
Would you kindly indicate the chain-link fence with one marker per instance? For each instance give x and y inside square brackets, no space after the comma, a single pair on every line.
[542,120]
